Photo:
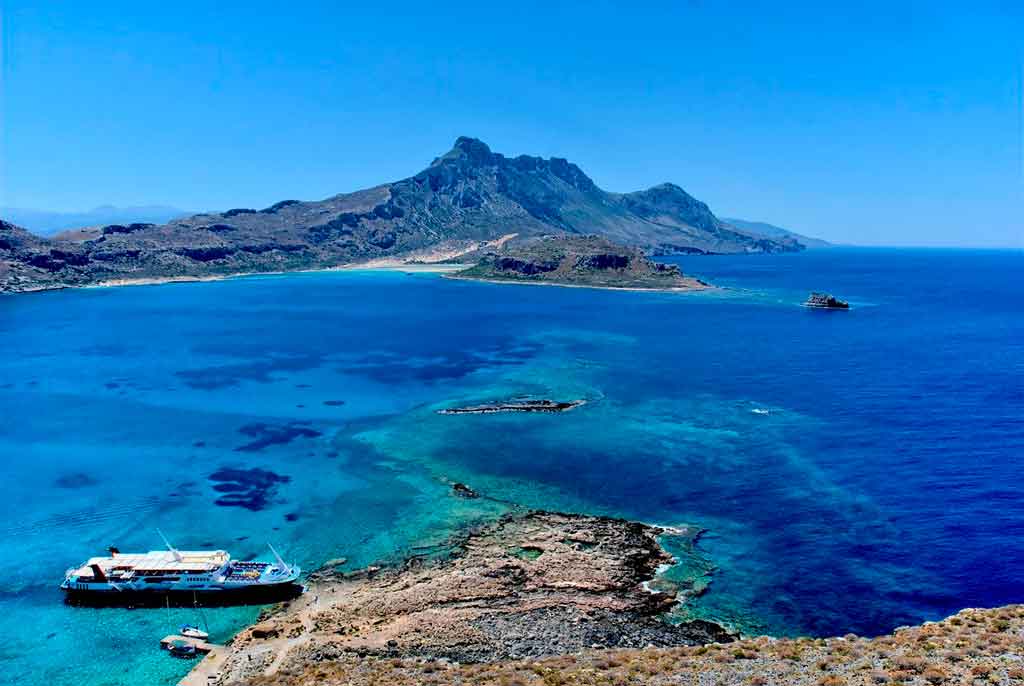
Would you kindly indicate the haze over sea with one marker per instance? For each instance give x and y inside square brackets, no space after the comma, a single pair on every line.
[855,471]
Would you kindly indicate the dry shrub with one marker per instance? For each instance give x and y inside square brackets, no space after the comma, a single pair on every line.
[981,669]
[910,663]
[791,653]
[553,678]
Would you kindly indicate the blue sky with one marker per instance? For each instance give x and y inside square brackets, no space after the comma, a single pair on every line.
[888,123]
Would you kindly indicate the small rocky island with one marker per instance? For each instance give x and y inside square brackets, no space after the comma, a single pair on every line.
[516,406]
[590,261]
[826,301]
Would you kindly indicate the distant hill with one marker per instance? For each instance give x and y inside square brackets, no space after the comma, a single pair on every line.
[465,196]
[577,261]
[772,231]
[46,223]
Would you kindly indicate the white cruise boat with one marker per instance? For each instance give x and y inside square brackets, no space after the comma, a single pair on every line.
[121,576]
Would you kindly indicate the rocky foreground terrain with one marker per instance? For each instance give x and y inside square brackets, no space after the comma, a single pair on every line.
[465,198]
[527,586]
[971,648]
[578,261]
[545,598]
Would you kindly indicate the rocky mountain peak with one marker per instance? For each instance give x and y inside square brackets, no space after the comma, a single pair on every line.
[469,150]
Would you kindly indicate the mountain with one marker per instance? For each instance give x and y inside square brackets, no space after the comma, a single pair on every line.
[777,232]
[46,223]
[465,196]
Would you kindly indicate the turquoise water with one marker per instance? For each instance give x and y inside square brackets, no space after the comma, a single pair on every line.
[854,470]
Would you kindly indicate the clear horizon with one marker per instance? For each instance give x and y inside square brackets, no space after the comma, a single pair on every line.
[868,125]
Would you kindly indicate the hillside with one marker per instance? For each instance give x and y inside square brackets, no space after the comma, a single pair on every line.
[467,195]
[983,647]
[776,232]
[589,261]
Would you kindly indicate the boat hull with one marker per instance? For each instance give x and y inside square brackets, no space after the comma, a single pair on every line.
[257,594]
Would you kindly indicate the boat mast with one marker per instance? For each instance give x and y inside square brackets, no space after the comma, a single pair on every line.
[202,616]
[174,551]
[281,564]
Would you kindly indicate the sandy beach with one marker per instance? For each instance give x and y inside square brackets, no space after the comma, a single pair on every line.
[374,265]
[434,260]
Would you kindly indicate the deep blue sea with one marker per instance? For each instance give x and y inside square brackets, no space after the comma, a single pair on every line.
[855,471]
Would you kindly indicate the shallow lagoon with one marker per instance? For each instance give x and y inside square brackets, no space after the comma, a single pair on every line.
[881,487]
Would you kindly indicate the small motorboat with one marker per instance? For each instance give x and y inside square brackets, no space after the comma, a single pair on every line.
[192,631]
[181,648]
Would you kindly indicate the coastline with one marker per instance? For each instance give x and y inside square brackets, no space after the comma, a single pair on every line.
[446,269]
[699,288]
[374,265]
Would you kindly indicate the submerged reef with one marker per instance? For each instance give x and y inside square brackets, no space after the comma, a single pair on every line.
[75,480]
[265,435]
[251,489]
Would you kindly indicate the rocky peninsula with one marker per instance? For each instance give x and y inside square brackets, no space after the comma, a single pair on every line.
[528,585]
[542,598]
[586,261]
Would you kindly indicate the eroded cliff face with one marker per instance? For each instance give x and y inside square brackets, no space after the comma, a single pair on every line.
[467,195]
[527,585]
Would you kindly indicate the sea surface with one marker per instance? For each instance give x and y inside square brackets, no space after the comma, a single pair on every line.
[854,471]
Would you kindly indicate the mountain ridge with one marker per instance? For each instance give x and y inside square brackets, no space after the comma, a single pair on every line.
[467,195]
[51,223]
[773,231]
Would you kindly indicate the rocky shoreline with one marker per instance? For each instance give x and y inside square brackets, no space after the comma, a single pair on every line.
[528,585]
[540,598]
